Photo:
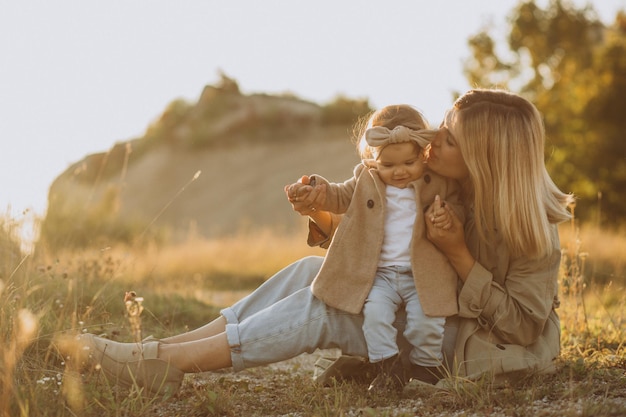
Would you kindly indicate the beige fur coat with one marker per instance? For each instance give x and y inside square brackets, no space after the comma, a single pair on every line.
[349,268]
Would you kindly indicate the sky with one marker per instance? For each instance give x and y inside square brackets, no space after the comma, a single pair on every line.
[78,76]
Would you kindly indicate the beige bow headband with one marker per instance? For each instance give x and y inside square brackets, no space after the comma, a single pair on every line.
[381,136]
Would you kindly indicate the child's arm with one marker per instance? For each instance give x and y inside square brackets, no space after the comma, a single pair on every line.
[304,197]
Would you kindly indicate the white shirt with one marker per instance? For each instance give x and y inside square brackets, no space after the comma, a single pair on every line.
[399,221]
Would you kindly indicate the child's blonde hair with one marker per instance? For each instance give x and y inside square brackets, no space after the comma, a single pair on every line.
[389,117]
[501,137]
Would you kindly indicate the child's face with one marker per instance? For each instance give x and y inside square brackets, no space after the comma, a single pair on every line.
[400,163]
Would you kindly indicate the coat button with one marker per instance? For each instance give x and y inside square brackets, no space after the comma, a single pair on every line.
[427,179]
[370,203]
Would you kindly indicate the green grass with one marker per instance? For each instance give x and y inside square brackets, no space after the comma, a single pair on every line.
[43,298]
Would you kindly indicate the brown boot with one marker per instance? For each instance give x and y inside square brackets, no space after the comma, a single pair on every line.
[428,374]
[391,377]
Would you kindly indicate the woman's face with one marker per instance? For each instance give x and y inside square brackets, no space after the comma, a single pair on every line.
[445,156]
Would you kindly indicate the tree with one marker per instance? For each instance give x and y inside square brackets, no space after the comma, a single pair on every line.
[574,69]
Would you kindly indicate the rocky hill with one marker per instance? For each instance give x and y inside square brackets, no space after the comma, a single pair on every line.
[215,167]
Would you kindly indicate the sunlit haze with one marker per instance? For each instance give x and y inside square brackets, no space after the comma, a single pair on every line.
[77,76]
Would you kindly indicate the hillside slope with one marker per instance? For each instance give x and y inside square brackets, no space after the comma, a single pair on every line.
[246,149]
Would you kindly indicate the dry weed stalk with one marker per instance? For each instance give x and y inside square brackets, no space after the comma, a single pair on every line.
[573,272]
[74,356]
[24,329]
[134,308]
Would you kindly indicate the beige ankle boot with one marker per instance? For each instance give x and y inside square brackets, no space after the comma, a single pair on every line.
[129,364]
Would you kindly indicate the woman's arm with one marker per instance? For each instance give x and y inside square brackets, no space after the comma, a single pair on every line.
[513,298]
[445,230]
[510,297]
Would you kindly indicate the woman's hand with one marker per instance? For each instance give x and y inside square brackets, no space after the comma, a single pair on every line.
[304,197]
[445,231]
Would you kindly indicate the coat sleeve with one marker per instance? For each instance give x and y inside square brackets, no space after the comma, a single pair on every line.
[339,195]
[317,237]
[338,198]
[514,306]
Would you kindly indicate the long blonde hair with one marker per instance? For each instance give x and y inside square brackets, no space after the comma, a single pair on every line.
[501,137]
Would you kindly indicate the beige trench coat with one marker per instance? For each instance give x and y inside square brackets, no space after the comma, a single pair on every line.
[349,269]
[507,320]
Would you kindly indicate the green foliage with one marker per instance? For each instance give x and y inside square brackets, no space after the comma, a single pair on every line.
[574,69]
[223,116]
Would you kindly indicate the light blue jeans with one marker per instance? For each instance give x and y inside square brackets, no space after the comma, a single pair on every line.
[394,287]
[282,319]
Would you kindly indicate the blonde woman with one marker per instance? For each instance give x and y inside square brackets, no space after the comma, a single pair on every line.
[507,256]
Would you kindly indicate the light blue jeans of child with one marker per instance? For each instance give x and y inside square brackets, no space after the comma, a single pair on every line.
[394,287]
[282,319]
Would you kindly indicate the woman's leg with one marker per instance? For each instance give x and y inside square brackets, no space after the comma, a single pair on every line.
[206,354]
[298,323]
[290,279]
[278,321]
[212,328]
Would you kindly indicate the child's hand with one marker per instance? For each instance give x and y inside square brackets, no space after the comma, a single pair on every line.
[298,191]
[305,197]
[444,229]
[440,216]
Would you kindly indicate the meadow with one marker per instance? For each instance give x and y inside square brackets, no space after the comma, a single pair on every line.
[45,298]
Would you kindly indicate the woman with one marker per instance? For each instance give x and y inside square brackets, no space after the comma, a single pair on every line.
[507,258]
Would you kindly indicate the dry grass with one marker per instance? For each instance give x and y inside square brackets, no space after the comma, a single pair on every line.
[605,250]
[43,298]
